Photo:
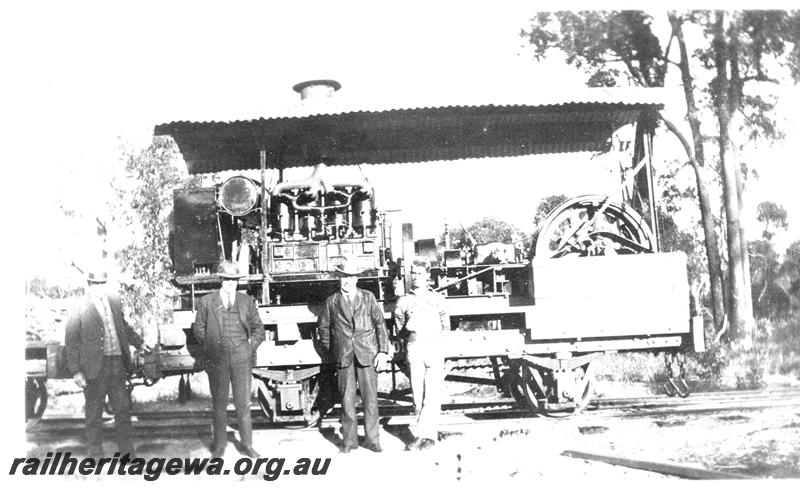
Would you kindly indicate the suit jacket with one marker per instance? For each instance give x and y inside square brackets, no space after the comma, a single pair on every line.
[208,322]
[359,333]
[84,337]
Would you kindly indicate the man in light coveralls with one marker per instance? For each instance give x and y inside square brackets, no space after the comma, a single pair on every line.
[421,313]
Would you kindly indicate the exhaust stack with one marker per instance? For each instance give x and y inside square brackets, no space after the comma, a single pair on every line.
[317,91]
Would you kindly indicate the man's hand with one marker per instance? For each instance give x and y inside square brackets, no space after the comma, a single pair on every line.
[79,379]
[381,359]
[145,349]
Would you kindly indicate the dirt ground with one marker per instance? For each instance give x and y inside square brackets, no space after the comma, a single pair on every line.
[764,444]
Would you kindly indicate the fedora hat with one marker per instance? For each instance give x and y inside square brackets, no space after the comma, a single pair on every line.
[97,276]
[348,267]
[229,270]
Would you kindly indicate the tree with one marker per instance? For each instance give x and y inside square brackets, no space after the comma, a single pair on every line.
[789,274]
[616,48]
[743,45]
[773,216]
[547,205]
[485,230]
[768,297]
[675,200]
[143,205]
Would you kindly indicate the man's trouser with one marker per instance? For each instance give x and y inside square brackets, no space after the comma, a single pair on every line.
[111,381]
[223,372]
[368,386]
[427,367]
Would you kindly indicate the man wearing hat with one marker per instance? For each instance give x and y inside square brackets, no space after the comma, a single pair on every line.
[228,325]
[351,324]
[97,347]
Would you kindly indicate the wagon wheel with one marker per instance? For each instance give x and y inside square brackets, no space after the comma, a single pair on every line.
[592,225]
[541,391]
[35,398]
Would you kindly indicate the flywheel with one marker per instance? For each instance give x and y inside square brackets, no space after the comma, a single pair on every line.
[592,225]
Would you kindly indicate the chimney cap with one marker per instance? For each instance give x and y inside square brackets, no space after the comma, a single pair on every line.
[309,83]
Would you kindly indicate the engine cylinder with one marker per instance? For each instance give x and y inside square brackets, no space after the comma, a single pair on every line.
[357,211]
[281,217]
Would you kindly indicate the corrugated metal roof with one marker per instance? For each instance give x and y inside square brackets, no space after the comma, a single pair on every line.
[303,136]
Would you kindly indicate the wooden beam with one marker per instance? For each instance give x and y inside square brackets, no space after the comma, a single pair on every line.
[683,471]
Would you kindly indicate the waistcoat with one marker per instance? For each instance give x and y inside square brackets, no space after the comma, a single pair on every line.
[232,332]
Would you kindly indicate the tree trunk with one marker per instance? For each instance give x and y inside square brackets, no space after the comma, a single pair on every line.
[696,158]
[735,101]
[720,91]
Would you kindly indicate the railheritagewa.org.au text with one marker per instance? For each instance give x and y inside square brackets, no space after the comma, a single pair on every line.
[64,464]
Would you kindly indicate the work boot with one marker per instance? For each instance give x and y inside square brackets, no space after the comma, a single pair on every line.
[250,452]
[414,445]
[426,444]
[375,447]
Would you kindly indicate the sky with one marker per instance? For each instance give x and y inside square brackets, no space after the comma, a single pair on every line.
[91,76]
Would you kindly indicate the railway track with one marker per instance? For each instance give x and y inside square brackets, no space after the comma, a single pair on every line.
[197,423]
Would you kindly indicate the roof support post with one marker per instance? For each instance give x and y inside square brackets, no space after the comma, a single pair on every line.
[643,177]
[265,299]
[649,134]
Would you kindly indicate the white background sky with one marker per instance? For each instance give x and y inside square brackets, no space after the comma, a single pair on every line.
[92,75]
[81,77]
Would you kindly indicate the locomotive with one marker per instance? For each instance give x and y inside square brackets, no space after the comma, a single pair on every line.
[594,281]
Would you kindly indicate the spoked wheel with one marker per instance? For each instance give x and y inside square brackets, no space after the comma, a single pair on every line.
[592,225]
[35,398]
[557,394]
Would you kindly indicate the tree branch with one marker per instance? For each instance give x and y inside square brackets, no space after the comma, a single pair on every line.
[674,129]
[761,77]
[669,45]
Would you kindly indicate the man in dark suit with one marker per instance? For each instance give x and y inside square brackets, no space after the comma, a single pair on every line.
[98,343]
[228,325]
[351,324]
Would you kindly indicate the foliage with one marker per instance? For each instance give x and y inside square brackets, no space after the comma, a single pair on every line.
[791,268]
[42,288]
[610,47]
[768,298]
[708,367]
[773,216]
[687,236]
[143,204]
[548,204]
[485,230]
[736,49]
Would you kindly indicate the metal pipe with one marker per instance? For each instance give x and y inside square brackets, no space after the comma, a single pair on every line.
[471,275]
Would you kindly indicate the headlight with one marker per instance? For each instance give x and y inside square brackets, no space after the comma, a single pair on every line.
[238,195]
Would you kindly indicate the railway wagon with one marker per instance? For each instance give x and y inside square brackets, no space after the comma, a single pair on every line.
[595,280]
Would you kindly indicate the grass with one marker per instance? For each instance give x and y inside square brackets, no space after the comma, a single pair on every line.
[774,359]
